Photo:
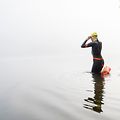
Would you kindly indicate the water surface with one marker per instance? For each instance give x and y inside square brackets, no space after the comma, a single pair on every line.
[56,88]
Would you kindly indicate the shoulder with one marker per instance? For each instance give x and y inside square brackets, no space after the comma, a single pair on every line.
[100,42]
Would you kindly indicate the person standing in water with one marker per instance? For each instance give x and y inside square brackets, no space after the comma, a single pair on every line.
[98,61]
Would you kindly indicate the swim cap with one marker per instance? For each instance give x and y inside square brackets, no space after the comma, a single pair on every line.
[94,34]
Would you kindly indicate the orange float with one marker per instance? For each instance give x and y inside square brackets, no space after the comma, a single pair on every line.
[105,71]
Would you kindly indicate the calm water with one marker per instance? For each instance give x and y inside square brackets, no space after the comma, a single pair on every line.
[57,88]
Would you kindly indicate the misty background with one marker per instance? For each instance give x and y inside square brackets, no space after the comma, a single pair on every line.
[50,27]
[44,72]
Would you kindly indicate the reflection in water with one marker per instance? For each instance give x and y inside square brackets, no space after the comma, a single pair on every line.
[96,102]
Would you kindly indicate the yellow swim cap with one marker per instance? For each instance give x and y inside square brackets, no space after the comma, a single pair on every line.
[94,34]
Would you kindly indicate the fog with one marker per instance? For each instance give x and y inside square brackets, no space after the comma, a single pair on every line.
[52,27]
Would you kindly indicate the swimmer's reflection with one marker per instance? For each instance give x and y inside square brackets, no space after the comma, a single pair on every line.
[96,102]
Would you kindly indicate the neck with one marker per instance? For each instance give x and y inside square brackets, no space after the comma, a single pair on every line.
[95,39]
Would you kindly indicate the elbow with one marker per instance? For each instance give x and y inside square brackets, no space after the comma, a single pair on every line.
[82,46]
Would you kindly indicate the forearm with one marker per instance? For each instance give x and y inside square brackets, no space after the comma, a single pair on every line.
[84,44]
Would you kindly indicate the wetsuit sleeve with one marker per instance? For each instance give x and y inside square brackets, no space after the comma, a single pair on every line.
[91,44]
[84,45]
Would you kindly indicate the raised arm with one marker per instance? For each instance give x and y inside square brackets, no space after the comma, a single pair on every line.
[84,45]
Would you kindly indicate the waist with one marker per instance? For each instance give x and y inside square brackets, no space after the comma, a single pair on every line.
[97,58]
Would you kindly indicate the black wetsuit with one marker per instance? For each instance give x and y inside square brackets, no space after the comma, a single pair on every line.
[98,61]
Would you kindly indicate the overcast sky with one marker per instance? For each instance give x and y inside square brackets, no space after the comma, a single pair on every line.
[46,27]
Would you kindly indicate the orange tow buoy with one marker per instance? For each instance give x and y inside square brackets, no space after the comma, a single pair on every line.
[105,71]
